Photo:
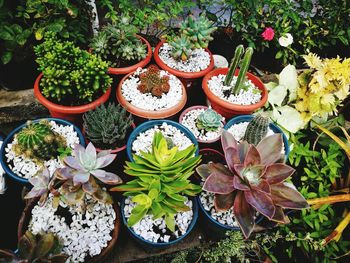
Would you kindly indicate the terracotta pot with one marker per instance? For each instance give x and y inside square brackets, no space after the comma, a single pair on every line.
[149,114]
[116,150]
[70,113]
[196,108]
[141,64]
[186,77]
[26,216]
[228,109]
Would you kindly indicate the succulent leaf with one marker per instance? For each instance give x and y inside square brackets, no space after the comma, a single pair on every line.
[209,120]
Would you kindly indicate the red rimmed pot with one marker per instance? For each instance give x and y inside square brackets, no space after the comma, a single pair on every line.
[149,114]
[26,216]
[70,113]
[115,150]
[141,64]
[202,143]
[227,109]
[186,77]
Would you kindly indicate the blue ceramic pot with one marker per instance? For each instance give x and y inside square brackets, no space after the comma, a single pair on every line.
[9,139]
[157,246]
[149,125]
[273,127]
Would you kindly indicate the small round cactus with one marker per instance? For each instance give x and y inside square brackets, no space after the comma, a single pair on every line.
[256,129]
[38,141]
[152,82]
[209,120]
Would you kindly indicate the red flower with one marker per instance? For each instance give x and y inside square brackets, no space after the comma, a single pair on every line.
[268,34]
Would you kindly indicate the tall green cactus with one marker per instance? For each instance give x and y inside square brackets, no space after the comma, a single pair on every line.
[234,63]
[243,70]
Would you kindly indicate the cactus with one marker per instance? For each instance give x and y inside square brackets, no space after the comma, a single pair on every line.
[198,31]
[105,126]
[234,63]
[181,48]
[209,120]
[256,129]
[38,141]
[243,70]
[152,82]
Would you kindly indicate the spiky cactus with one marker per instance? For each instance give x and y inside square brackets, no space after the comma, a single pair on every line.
[107,126]
[209,120]
[243,70]
[234,64]
[181,48]
[38,141]
[152,82]
[198,31]
[256,129]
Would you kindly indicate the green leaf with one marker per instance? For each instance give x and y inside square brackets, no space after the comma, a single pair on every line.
[142,199]
[170,222]
[6,57]
[279,54]
[136,217]
[4,35]
[153,193]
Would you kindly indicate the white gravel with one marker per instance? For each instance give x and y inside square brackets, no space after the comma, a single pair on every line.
[198,60]
[27,168]
[147,101]
[155,230]
[87,235]
[143,141]
[189,120]
[245,97]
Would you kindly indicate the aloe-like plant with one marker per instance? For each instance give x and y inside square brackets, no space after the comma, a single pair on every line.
[253,181]
[162,180]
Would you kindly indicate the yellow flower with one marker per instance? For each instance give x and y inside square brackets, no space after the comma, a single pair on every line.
[313,61]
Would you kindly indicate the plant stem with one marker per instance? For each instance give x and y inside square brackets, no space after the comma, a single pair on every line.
[336,234]
[243,70]
[234,63]
[329,199]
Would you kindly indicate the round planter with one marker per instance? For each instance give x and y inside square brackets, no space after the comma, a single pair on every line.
[227,109]
[149,114]
[150,124]
[115,150]
[9,139]
[186,77]
[152,245]
[272,126]
[70,113]
[141,64]
[196,108]
[26,216]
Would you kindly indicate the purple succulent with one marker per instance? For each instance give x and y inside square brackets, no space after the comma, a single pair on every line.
[40,184]
[252,181]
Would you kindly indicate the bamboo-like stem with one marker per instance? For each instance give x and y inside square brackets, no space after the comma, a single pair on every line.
[336,234]
[329,199]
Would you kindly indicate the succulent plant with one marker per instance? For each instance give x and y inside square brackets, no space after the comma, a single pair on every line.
[40,183]
[198,30]
[244,65]
[209,120]
[152,82]
[162,178]
[105,126]
[79,176]
[256,129]
[70,75]
[181,48]
[253,181]
[118,42]
[45,248]
[37,141]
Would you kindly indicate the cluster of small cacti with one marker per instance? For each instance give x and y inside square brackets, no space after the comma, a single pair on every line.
[198,30]
[38,141]
[36,248]
[244,65]
[181,48]
[152,82]
[69,73]
[118,42]
[209,120]
[256,129]
[107,126]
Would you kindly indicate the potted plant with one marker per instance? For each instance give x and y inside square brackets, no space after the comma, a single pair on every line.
[187,56]
[233,92]
[37,144]
[140,140]
[245,127]
[156,209]
[205,123]
[252,183]
[72,81]
[107,127]
[151,93]
[75,206]
[119,44]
